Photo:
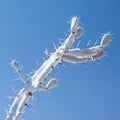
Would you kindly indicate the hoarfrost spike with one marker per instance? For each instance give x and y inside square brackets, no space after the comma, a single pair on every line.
[47,53]
[88,43]
[54,46]
[95,43]
[13,90]
[7,112]
[27,105]
[78,44]
[54,69]
[11,97]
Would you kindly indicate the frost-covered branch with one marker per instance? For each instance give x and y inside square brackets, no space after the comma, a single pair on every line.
[64,52]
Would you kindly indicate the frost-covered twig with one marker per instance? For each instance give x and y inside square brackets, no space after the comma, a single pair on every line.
[62,53]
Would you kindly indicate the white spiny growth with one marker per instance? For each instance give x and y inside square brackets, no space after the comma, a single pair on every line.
[37,81]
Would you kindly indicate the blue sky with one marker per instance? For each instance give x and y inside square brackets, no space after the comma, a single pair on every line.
[84,92]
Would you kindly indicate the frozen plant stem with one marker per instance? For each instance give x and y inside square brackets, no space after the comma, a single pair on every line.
[37,80]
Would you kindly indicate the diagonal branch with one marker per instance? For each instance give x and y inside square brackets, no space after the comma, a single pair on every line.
[64,52]
[22,98]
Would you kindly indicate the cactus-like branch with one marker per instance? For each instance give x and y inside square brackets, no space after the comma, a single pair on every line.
[86,52]
[35,84]
[62,53]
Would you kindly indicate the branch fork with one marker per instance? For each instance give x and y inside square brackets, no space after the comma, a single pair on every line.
[64,53]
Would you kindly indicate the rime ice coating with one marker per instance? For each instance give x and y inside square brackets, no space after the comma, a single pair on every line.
[92,51]
[37,81]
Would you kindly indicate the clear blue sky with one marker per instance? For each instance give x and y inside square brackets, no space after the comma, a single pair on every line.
[85,91]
